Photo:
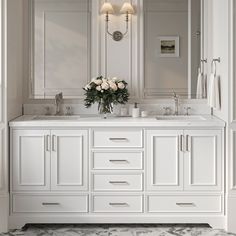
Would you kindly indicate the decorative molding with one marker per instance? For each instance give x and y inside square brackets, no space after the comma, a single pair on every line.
[69,93]
[43,183]
[233,160]
[177,158]
[81,151]
[214,183]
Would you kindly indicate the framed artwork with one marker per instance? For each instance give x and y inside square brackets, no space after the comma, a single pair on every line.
[168,46]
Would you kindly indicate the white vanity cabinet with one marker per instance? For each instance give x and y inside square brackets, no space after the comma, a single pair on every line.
[49,160]
[111,171]
[184,160]
[30,160]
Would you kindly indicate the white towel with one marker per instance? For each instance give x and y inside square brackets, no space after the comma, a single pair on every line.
[205,86]
[200,85]
[214,92]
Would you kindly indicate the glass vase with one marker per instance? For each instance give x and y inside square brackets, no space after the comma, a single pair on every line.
[105,108]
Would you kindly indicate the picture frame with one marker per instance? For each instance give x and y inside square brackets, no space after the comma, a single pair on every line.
[168,46]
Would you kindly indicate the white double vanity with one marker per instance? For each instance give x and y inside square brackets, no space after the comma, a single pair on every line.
[118,170]
[66,164]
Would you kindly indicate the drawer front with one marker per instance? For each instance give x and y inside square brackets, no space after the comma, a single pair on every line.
[117,138]
[128,204]
[118,160]
[191,204]
[121,182]
[44,204]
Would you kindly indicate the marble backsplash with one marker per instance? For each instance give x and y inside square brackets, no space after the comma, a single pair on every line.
[152,109]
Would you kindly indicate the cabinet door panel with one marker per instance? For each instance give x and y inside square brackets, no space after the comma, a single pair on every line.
[31,160]
[165,161]
[203,160]
[69,160]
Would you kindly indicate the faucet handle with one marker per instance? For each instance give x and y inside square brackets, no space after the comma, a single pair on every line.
[68,110]
[187,110]
[167,111]
[47,111]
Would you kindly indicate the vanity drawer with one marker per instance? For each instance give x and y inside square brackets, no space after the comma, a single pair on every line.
[191,204]
[128,204]
[105,138]
[119,182]
[113,160]
[46,204]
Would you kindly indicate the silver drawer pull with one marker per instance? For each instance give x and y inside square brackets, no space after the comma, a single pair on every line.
[50,204]
[118,182]
[186,204]
[119,204]
[118,139]
[119,161]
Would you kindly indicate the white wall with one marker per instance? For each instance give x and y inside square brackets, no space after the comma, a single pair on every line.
[14,58]
[231,145]
[12,99]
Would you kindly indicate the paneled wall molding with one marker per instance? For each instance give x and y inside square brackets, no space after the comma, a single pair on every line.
[56,63]
[120,59]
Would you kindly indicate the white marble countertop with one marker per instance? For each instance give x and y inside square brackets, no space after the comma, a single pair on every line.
[98,121]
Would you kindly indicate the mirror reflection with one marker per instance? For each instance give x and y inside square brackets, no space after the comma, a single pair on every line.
[173,49]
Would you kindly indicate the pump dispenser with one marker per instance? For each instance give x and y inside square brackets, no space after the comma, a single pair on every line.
[135,111]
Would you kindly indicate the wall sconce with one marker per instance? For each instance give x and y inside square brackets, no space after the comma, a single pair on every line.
[107,9]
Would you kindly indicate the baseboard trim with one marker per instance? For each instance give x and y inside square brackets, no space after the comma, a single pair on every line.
[18,221]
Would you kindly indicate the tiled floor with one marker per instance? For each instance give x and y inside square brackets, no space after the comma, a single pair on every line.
[118,230]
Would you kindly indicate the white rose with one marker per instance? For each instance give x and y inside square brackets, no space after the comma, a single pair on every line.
[105,86]
[104,80]
[113,85]
[99,88]
[115,79]
[121,85]
[98,81]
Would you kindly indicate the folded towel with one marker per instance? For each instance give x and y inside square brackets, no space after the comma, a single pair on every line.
[200,85]
[214,92]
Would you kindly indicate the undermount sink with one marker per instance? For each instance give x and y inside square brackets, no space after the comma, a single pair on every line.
[55,118]
[180,118]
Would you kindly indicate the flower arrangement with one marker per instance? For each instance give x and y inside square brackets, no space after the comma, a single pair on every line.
[106,92]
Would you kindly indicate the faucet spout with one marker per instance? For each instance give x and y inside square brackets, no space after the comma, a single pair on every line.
[176,102]
[58,102]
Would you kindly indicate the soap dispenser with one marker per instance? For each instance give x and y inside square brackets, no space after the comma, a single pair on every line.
[135,110]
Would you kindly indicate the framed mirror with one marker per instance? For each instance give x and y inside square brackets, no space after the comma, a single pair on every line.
[174,49]
[60,47]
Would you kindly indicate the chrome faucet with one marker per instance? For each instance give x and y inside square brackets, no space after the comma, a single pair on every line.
[58,102]
[176,101]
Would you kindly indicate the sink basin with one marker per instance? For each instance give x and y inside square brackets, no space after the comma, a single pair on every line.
[55,118]
[180,118]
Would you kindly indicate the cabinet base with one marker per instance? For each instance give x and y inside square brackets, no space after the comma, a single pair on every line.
[18,221]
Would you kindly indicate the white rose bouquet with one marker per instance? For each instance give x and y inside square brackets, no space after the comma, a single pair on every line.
[106,92]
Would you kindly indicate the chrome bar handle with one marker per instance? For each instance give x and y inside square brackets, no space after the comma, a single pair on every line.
[50,204]
[54,143]
[118,182]
[122,204]
[48,143]
[187,143]
[118,161]
[118,139]
[185,204]
[181,143]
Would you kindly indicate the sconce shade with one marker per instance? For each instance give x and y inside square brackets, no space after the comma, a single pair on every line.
[127,8]
[107,8]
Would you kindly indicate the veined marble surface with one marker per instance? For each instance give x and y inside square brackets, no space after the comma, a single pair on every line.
[118,230]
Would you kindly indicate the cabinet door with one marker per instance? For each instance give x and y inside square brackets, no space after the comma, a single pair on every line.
[30,160]
[164,160]
[69,160]
[203,160]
